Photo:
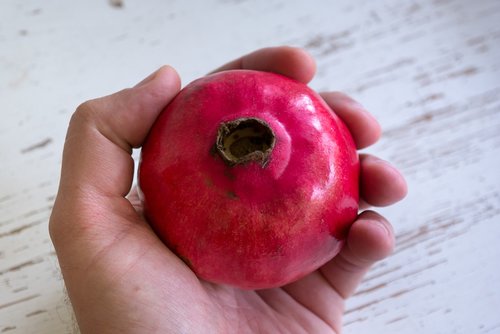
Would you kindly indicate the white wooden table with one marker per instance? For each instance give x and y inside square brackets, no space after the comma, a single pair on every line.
[429,70]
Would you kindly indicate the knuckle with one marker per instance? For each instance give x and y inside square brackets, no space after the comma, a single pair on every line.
[86,115]
[85,112]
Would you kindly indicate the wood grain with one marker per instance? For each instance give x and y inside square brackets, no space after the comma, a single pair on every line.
[428,70]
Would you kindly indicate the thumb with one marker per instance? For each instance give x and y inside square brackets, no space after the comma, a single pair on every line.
[103,131]
[97,169]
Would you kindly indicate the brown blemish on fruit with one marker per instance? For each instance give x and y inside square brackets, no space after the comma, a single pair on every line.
[229,175]
[209,182]
[232,195]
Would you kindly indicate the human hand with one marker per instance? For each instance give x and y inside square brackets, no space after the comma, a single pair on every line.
[122,279]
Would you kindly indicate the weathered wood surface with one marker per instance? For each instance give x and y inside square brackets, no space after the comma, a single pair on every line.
[429,70]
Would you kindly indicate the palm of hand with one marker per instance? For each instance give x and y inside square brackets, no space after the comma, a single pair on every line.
[122,279]
[136,272]
[141,269]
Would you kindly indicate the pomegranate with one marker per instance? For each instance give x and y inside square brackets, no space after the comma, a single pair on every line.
[250,178]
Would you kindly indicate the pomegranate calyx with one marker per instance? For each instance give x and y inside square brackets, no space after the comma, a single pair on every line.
[245,140]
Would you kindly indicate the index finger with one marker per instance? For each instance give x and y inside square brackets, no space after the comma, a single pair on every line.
[289,61]
[363,126]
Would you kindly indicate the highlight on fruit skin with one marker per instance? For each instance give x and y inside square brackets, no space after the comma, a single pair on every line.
[250,178]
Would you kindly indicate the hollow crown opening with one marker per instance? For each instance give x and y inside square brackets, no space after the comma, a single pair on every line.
[245,140]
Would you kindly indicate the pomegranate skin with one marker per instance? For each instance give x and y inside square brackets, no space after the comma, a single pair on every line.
[261,223]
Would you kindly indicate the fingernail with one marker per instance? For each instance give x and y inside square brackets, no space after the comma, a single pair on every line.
[352,103]
[374,219]
[382,227]
[377,160]
[149,78]
[356,105]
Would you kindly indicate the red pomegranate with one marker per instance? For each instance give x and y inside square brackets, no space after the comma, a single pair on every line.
[250,178]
